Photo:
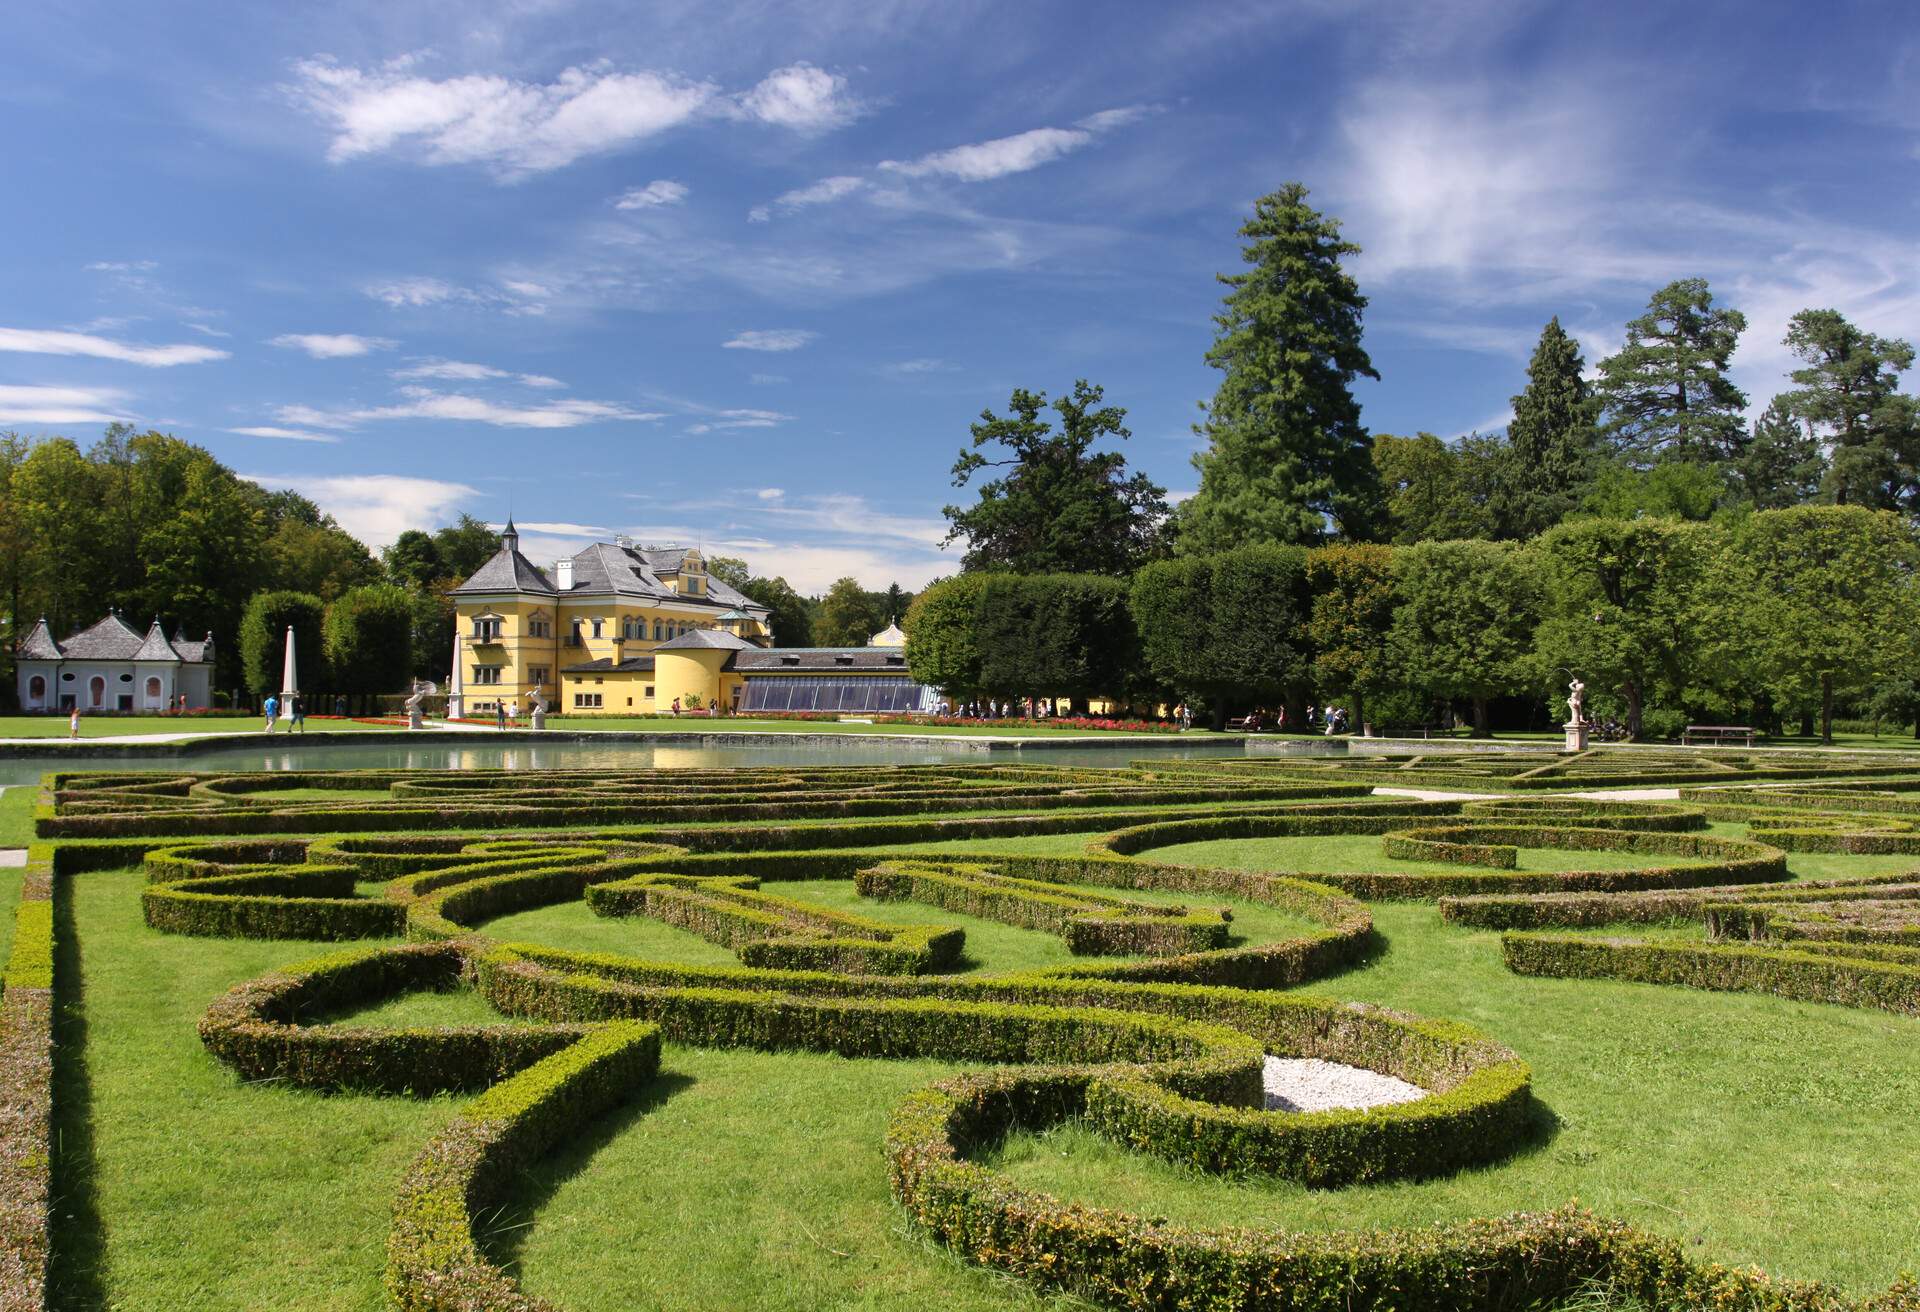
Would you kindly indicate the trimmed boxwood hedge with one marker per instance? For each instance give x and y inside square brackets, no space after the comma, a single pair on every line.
[1091,924]
[1784,972]
[265,1028]
[1121,1260]
[434,1261]
[779,932]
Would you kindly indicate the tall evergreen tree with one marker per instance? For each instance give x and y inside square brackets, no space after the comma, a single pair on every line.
[1061,506]
[1848,396]
[1551,441]
[1287,459]
[1666,393]
[1783,464]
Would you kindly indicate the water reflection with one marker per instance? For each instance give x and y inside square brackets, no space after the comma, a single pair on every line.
[360,754]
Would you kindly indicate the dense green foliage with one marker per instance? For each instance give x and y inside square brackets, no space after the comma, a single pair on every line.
[1551,440]
[1465,621]
[263,640]
[1666,391]
[1061,506]
[369,639]
[1230,628]
[1287,460]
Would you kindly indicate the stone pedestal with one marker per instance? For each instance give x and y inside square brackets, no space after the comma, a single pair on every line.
[415,720]
[1576,737]
[539,717]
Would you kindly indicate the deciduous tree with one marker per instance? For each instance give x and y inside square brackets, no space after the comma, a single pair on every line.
[1351,620]
[1464,626]
[1230,627]
[943,649]
[263,640]
[845,617]
[369,639]
[1061,506]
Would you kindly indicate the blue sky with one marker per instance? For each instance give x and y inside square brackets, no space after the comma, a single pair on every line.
[743,274]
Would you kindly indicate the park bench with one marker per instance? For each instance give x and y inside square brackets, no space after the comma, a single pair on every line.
[1716,733]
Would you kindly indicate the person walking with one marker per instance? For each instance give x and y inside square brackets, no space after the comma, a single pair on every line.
[500,715]
[296,714]
[676,706]
[272,707]
[73,722]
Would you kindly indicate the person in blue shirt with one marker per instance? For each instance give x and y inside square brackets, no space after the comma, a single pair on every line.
[272,707]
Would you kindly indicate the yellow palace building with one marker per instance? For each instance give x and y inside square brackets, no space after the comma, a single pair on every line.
[620,629]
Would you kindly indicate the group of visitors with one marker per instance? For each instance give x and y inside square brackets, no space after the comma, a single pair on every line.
[1024,708]
[295,708]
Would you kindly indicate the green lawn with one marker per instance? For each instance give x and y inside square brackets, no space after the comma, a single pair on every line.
[1756,1128]
[1361,852]
[119,726]
[16,815]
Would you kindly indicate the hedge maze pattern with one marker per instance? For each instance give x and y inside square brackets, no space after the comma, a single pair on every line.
[1156,1039]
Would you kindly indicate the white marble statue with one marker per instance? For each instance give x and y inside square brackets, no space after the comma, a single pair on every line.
[539,700]
[1576,701]
[422,689]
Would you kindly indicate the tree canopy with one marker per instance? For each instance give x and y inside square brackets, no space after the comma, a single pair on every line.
[1666,392]
[1551,441]
[1848,397]
[1061,505]
[1287,460]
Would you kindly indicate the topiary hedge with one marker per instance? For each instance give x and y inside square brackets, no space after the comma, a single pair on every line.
[1784,972]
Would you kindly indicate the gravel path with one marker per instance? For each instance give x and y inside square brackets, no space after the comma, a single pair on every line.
[1307,1084]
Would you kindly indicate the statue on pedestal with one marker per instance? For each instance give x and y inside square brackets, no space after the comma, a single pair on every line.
[539,700]
[422,689]
[1576,702]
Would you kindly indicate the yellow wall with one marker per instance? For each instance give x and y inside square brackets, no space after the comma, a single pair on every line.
[687,674]
[518,654]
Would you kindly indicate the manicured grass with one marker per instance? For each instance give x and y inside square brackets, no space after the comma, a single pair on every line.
[742,1180]
[991,946]
[1767,1131]
[16,815]
[179,1186]
[121,726]
[1756,1129]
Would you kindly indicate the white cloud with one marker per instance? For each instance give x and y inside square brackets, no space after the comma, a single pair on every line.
[768,380]
[376,508]
[286,434]
[60,405]
[207,330]
[801,97]
[562,529]
[770,493]
[1108,119]
[424,403]
[38,341]
[927,365]
[331,346]
[823,192]
[464,371]
[985,160]
[516,127]
[416,292]
[739,419]
[769,339]
[661,191]
[122,266]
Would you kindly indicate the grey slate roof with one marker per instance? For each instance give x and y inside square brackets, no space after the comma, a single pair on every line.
[608,569]
[805,660]
[108,640]
[710,639]
[38,645]
[632,665]
[112,639]
[155,647]
[508,571]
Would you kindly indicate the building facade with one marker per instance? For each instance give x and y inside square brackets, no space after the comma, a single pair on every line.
[111,666]
[619,629]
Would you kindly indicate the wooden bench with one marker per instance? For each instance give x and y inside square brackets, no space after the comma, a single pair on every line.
[1717,733]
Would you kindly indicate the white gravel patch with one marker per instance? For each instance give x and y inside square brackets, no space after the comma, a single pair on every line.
[1307,1084]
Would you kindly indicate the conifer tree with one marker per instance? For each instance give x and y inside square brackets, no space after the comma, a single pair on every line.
[1551,441]
[1782,465]
[1848,395]
[1666,393]
[1287,459]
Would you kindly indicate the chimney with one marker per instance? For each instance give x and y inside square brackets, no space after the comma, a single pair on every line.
[563,574]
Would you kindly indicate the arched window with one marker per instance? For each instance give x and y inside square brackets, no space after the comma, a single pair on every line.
[153,688]
[37,689]
[96,691]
